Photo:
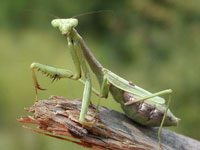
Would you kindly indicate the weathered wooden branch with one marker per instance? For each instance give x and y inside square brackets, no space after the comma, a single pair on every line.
[58,117]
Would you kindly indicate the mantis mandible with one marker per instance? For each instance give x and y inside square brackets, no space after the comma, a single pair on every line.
[146,108]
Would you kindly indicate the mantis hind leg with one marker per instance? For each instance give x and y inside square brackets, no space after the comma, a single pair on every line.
[51,72]
[163,120]
[102,94]
[104,91]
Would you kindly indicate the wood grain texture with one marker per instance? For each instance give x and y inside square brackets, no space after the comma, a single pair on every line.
[58,117]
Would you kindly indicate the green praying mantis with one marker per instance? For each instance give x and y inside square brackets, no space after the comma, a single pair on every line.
[143,107]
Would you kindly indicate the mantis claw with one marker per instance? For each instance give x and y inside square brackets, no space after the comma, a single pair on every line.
[92,124]
[39,87]
[88,124]
[36,84]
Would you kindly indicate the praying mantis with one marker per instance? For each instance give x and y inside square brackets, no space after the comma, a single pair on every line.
[143,107]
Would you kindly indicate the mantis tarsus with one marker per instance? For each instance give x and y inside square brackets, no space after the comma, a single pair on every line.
[138,104]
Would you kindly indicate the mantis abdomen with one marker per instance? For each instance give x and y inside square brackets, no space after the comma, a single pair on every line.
[143,112]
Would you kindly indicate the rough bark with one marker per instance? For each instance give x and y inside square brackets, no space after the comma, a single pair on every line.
[58,117]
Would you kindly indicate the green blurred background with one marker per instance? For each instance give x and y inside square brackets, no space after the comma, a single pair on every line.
[154,43]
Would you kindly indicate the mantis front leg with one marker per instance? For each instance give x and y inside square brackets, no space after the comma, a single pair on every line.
[57,73]
[49,71]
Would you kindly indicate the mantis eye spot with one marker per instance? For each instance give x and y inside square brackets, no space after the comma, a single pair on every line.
[54,23]
[131,83]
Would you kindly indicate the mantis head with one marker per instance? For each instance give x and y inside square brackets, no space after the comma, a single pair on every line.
[64,25]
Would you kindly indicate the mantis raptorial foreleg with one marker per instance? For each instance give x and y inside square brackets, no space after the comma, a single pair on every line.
[57,73]
[52,72]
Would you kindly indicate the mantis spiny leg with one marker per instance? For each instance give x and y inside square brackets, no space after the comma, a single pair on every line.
[57,73]
[52,72]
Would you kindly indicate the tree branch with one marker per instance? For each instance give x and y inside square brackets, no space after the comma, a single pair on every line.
[58,117]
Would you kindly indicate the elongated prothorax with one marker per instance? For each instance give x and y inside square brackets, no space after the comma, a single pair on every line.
[67,26]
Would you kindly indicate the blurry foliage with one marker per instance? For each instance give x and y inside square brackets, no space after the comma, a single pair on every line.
[154,43]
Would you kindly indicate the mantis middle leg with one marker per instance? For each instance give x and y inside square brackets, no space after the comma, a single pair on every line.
[88,82]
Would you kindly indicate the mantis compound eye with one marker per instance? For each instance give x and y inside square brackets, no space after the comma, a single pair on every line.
[64,25]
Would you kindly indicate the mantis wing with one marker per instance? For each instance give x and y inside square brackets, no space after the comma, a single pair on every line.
[125,85]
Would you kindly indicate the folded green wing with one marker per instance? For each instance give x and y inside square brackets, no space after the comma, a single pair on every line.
[126,86]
